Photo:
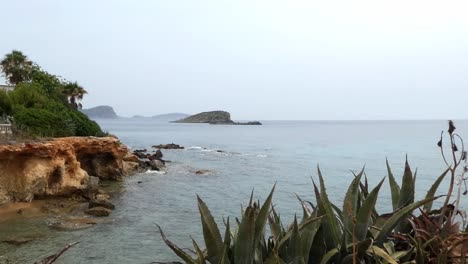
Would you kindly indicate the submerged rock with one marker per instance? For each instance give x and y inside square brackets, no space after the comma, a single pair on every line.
[251,123]
[73,224]
[202,172]
[98,211]
[18,240]
[101,203]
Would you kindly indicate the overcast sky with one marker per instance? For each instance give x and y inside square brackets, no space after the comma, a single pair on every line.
[269,59]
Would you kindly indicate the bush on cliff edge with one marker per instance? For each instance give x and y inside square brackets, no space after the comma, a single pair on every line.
[44,104]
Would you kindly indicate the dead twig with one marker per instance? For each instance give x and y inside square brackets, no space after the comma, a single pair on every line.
[52,258]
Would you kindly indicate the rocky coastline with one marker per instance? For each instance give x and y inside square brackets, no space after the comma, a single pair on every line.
[62,167]
[65,179]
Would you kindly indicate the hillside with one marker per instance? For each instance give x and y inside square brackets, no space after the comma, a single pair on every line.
[103,111]
[170,117]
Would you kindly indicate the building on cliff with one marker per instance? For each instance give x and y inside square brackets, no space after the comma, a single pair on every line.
[5,124]
[7,88]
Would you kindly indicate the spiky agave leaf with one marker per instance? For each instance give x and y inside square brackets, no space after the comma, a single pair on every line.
[331,226]
[407,187]
[433,189]
[276,227]
[379,252]
[295,246]
[308,233]
[178,251]
[262,216]
[310,224]
[211,234]
[394,187]
[364,216]
[201,257]
[350,207]
[397,217]
[244,240]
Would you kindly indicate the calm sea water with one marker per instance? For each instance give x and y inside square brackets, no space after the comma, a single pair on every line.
[253,157]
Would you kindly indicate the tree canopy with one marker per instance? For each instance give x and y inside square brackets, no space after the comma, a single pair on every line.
[16,67]
[43,104]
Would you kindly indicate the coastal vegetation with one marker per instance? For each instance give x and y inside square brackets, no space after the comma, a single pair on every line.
[352,232]
[42,104]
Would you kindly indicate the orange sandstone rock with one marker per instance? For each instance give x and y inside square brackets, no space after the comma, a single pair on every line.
[61,166]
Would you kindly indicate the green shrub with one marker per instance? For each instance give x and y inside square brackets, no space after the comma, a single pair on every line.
[40,122]
[6,107]
[83,125]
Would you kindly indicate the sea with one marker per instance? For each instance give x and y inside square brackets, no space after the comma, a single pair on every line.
[238,160]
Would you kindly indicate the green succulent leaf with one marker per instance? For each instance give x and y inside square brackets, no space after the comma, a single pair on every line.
[262,216]
[350,205]
[244,242]
[201,257]
[295,245]
[274,258]
[308,235]
[330,222]
[394,187]
[382,254]
[178,251]
[311,224]
[329,255]
[406,195]
[364,216]
[211,234]
[433,189]
[407,187]
[397,217]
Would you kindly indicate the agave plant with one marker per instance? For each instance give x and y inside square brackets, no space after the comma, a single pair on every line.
[325,234]
[352,233]
[357,233]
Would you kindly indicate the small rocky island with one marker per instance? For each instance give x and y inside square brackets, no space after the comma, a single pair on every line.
[102,111]
[214,118]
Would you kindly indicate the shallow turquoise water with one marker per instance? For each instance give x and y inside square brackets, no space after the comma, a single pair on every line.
[285,152]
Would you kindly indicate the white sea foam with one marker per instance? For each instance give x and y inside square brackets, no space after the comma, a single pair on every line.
[155,172]
[195,148]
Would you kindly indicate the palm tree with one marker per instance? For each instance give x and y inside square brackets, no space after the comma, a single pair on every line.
[16,67]
[74,93]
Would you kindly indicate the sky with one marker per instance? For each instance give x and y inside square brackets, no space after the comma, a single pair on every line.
[258,59]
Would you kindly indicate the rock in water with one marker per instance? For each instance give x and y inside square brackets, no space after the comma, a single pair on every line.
[168,146]
[156,165]
[101,203]
[202,172]
[18,240]
[98,211]
[158,154]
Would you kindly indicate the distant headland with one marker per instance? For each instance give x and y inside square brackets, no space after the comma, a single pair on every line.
[214,118]
[102,111]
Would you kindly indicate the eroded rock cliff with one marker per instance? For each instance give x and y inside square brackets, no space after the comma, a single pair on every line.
[60,166]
